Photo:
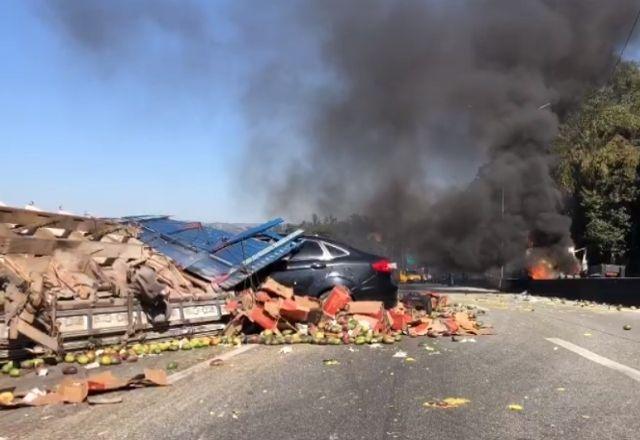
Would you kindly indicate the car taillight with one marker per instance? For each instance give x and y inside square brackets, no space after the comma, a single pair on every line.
[384,266]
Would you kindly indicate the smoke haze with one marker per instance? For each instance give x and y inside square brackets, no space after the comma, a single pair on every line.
[434,118]
[438,114]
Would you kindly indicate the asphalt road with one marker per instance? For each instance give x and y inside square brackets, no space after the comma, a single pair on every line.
[264,394]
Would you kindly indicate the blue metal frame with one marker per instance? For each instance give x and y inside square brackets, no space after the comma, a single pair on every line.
[213,254]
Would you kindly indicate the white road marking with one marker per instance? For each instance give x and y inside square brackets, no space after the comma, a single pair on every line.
[606,362]
[205,364]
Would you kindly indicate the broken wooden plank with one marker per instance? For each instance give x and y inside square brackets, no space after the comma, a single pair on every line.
[42,246]
[36,335]
[13,329]
[206,285]
[27,317]
[23,266]
[26,218]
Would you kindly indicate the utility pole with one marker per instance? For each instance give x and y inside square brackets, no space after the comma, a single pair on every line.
[502,242]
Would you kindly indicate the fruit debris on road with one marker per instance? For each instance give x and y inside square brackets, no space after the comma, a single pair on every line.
[366,392]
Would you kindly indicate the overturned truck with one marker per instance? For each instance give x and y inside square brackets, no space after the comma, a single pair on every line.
[67,282]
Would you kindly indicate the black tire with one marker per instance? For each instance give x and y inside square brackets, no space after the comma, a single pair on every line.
[428,305]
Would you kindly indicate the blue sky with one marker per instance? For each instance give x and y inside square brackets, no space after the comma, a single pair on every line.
[114,141]
[148,118]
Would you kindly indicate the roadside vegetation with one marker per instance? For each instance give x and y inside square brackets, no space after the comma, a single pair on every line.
[597,168]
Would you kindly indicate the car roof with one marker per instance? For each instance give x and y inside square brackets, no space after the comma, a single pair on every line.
[353,251]
[327,240]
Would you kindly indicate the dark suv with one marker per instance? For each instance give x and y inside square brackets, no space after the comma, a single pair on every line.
[321,263]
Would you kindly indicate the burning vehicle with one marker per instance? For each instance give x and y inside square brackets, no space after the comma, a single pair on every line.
[548,264]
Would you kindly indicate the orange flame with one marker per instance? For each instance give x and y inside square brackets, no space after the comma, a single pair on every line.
[542,270]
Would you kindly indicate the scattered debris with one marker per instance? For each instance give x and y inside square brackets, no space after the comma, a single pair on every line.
[113,355]
[330,362]
[515,407]
[290,319]
[285,350]
[447,403]
[626,327]
[6,398]
[69,369]
[103,400]
[32,395]
[172,366]
[337,300]
[400,354]
[7,367]
[76,390]
[217,362]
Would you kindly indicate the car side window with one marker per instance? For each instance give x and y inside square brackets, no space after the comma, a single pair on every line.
[309,250]
[335,251]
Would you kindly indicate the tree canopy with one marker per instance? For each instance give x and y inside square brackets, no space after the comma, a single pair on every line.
[598,166]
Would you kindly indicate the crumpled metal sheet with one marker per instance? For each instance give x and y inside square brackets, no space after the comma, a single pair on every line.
[226,258]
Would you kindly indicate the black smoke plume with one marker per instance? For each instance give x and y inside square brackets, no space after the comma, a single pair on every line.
[436,119]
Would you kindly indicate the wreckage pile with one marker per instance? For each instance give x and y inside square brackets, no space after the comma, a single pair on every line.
[282,317]
[58,273]
[70,283]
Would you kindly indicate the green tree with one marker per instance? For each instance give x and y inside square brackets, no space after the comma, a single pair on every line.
[609,188]
[598,167]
